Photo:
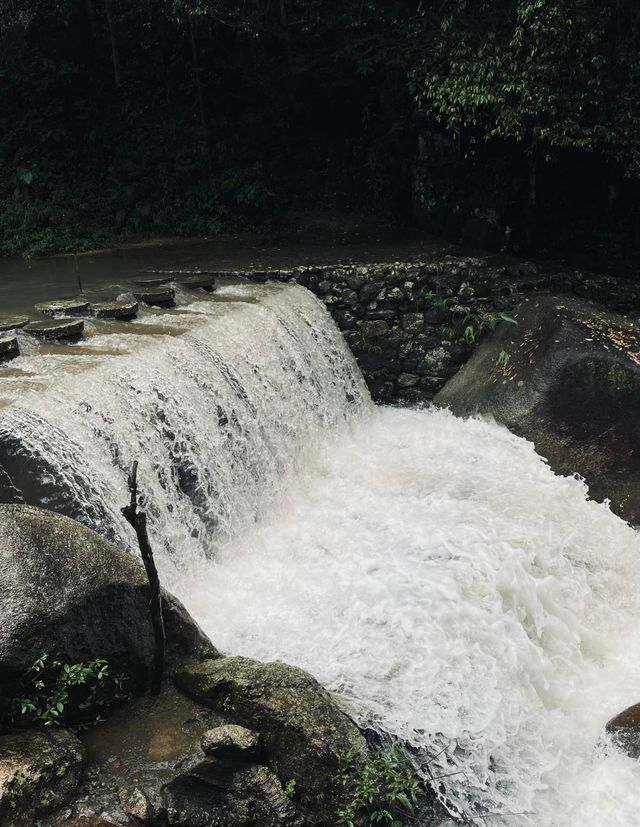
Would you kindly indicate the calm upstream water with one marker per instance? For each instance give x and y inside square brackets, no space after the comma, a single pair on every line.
[23,283]
[432,572]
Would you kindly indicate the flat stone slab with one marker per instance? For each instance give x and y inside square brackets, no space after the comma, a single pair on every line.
[8,348]
[202,281]
[68,306]
[13,322]
[153,281]
[56,329]
[115,310]
[160,297]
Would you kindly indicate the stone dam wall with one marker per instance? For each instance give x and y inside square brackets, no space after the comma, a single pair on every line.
[412,324]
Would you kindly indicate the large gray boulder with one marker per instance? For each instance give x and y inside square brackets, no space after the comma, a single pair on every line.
[566,377]
[67,592]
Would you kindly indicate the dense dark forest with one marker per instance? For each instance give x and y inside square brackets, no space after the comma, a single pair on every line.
[508,124]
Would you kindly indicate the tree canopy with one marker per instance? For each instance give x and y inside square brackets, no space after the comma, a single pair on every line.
[196,116]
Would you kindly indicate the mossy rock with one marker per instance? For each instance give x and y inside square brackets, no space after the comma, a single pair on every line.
[115,310]
[56,329]
[566,377]
[70,307]
[13,322]
[303,731]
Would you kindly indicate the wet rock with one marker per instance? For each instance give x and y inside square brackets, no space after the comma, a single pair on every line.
[66,591]
[135,803]
[156,296]
[625,730]
[374,329]
[231,743]
[70,307]
[302,729]
[115,310]
[8,348]
[199,281]
[39,772]
[566,377]
[56,329]
[244,797]
[13,322]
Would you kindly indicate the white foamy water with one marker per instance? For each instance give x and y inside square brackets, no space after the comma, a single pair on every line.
[454,592]
[432,572]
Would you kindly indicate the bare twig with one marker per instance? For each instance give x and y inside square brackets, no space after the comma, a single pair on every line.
[138,521]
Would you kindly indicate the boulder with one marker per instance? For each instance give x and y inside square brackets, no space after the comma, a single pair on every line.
[66,591]
[566,377]
[39,772]
[303,731]
[625,730]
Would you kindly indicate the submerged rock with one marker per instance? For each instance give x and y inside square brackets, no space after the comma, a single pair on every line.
[566,377]
[40,771]
[303,731]
[56,329]
[66,591]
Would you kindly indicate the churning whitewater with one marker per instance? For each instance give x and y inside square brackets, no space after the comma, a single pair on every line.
[432,572]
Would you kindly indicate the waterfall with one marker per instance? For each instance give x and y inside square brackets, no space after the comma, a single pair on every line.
[217,401]
[432,572]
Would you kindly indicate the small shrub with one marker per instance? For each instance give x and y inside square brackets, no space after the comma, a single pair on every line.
[55,693]
[384,790]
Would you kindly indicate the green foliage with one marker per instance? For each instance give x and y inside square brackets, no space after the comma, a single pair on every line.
[384,790]
[469,324]
[547,73]
[290,788]
[503,359]
[57,693]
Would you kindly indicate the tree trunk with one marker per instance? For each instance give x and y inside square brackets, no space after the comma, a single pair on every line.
[198,81]
[114,43]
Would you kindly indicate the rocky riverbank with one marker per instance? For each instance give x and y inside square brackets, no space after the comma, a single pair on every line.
[229,741]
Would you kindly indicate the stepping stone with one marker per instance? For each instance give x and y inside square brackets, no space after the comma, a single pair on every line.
[156,296]
[8,348]
[203,281]
[69,306]
[13,322]
[115,310]
[56,329]
[155,281]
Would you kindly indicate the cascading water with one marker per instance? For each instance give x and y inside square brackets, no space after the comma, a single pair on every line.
[433,572]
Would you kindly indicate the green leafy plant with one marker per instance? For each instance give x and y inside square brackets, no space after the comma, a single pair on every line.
[384,790]
[290,788]
[469,324]
[55,693]
[503,359]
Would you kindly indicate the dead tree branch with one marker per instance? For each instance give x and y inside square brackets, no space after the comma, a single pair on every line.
[138,521]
